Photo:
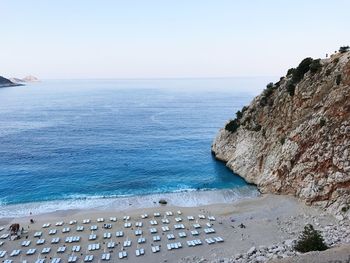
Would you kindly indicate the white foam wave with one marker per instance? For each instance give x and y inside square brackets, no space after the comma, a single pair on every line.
[182,199]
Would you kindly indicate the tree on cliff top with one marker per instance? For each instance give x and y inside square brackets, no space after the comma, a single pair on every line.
[310,240]
[344,49]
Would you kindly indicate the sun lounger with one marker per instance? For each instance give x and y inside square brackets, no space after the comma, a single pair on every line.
[86,221]
[56,260]
[38,234]
[182,234]
[119,233]
[107,235]
[101,219]
[45,250]
[2,253]
[106,256]
[72,259]
[123,254]
[179,226]
[52,231]
[153,222]
[209,230]
[31,251]
[170,236]
[139,252]
[26,243]
[144,216]
[72,222]
[156,238]
[46,225]
[138,224]
[75,248]
[155,249]
[208,224]
[1,243]
[127,243]
[175,245]
[40,241]
[156,214]
[194,233]
[113,219]
[178,219]
[40,260]
[8,261]
[92,237]
[80,228]
[110,244]
[201,216]
[4,236]
[61,249]
[211,218]
[219,239]
[93,228]
[55,240]
[190,218]
[165,228]
[88,258]
[15,253]
[66,230]
[196,226]
[169,213]
[59,223]
[126,218]
[107,226]
[210,241]
[179,212]
[141,240]
[138,232]
[153,230]
[165,221]
[92,247]
[127,224]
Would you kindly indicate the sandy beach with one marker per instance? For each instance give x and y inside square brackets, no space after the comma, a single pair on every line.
[267,220]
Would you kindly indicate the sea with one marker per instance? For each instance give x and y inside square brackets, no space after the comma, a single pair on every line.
[96,144]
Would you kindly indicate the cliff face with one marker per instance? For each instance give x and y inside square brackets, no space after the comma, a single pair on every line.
[4,82]
[294,138]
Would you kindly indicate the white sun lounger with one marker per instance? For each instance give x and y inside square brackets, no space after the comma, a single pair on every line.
[92,247]
[93,228]
[127,224]
[123,254]
[179,226]
[55,240]
[144,216]
[56,260]
[45,250]
[92,237]
[165,228]
[38,234]
[66,230]
[179,212]
[80,228]
[153,222]
[170,236]
[138,224]
[138,232]
[209,224]
[165,221]
[110,244]
[4,236]
[101,219]
[15,253]
[26,243]
[196,226]
[119,233]
[59,223]
[211,218]
[210,241]
[40,260]
[8,261]
[52,231]
[72,222]
[182,234]
[107,235]
[72,259]
[1,243]
[126,218]
[153,230]
[31,251]
[113,219]
[2,228]
[194,233]
[40,241]
[140,252]
[178,219]
[219,239]
[61,249]
[76,248]
[86,221]
[209,230]
[2,253]
[156,238]
[46,225]
[89,258]
[190,218]
[169,213]
[127,243]
[106,256]
[201,216]
[155,249]
[156,214]
[141,240]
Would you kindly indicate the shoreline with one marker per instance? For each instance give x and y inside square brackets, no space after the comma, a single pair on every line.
[268,219]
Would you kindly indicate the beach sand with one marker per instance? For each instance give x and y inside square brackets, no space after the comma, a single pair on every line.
[268,219]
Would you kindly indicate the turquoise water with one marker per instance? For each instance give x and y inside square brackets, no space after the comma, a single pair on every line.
[81,140]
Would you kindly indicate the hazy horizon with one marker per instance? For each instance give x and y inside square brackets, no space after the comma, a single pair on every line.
[158,40]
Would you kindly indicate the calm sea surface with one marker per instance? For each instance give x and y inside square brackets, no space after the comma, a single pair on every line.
[81,140]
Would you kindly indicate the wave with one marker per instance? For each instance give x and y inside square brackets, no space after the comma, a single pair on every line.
[183,198]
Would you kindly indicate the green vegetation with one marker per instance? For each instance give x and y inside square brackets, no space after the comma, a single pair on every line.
[338,79]
[283,140]
[315,66]
[232,125]
[345,208]
[322,122]
[344,49]
[310,240]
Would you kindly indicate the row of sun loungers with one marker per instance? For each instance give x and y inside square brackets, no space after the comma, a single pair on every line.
[175,245]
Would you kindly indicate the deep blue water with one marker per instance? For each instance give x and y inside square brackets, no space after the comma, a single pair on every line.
[69,139]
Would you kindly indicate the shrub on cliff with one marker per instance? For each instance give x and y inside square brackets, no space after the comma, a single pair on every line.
[315,66]
[344,49]
[338,79]
[232,125]
[310,240]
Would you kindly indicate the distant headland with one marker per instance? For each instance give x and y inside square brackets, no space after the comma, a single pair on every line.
[4,82]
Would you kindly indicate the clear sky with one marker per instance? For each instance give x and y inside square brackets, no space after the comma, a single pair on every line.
[166,38]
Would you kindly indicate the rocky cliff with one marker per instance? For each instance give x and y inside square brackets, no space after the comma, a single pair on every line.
[294,138]
[4,82]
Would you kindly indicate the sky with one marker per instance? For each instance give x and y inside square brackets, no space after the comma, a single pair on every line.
[166,38]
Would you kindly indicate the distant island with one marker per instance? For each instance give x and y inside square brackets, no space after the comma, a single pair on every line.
[29,78]
[4,82]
